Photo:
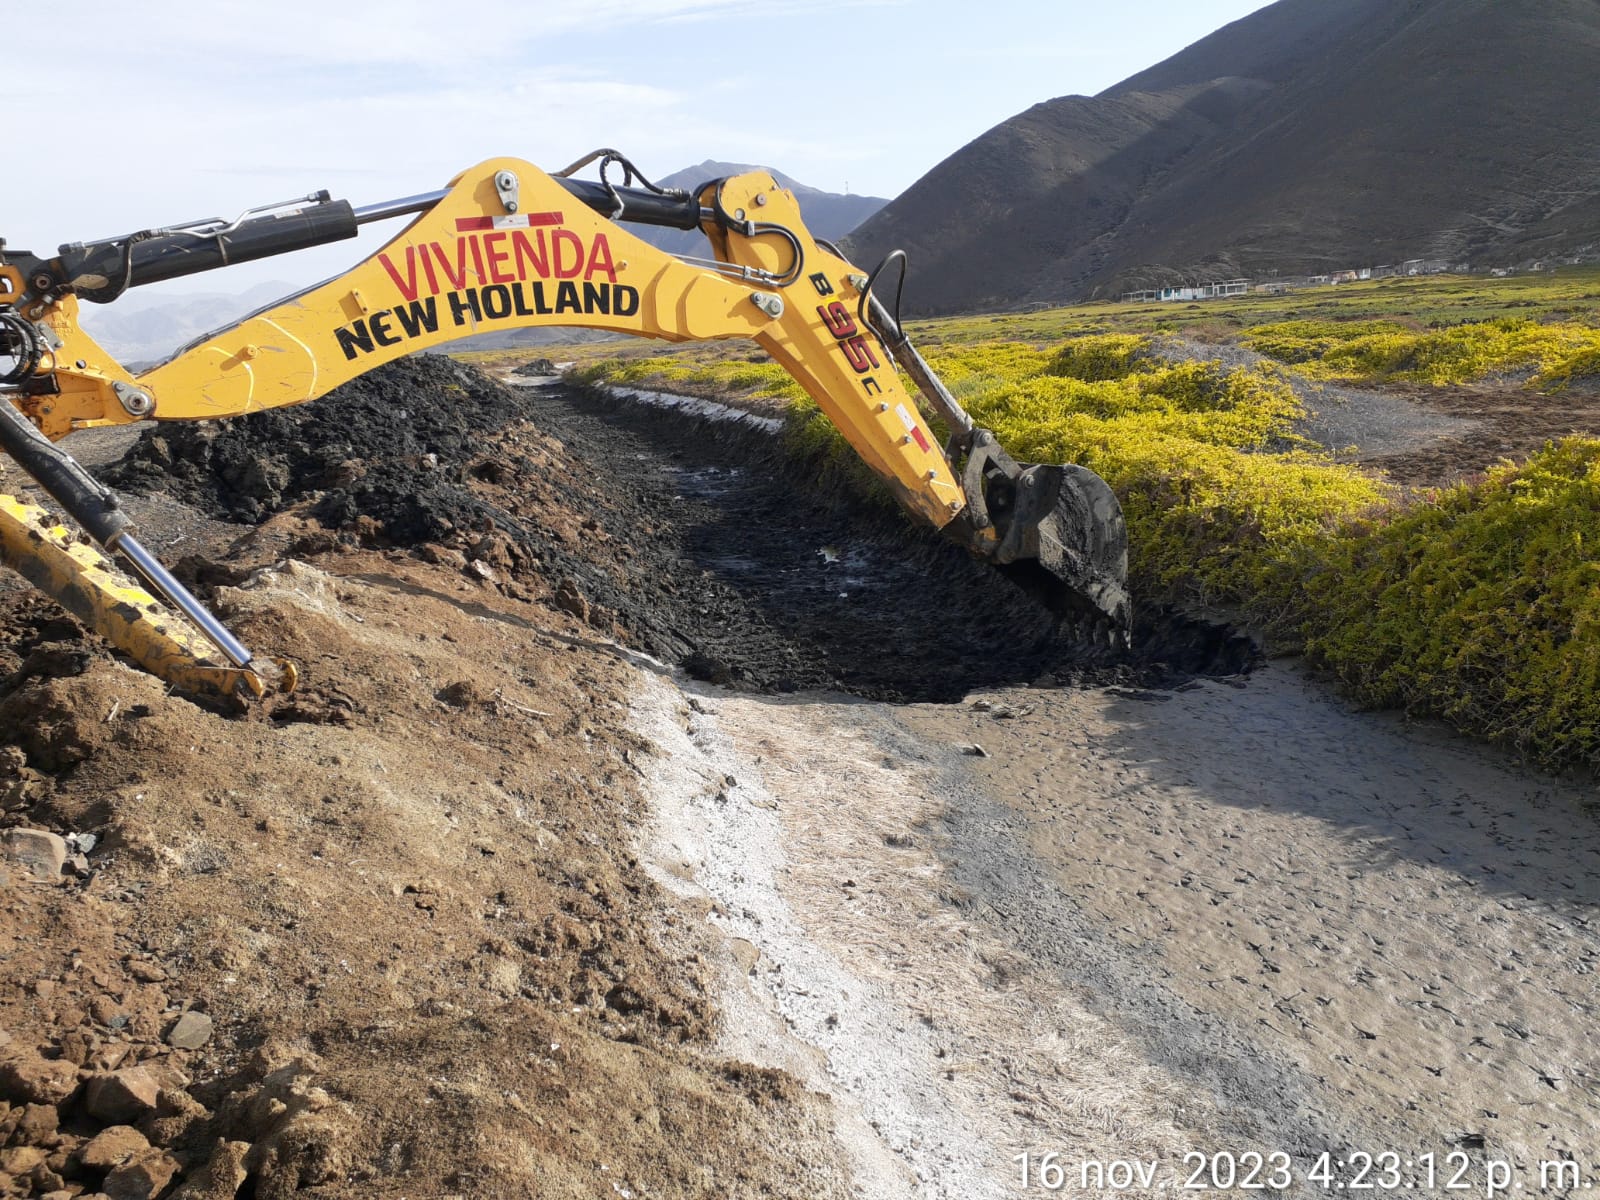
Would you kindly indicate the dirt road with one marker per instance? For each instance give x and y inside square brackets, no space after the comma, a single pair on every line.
[1214,920]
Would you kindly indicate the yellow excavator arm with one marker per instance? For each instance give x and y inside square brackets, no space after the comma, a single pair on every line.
[503,246]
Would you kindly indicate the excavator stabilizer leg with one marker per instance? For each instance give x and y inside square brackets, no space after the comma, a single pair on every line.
[85,583]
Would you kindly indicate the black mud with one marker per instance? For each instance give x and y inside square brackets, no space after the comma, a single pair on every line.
[693,541]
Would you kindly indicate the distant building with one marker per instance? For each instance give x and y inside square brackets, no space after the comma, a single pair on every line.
[1189,292]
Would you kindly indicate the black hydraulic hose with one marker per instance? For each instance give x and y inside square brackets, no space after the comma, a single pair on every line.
[864,309]
[638,206]
[102,271]
[87,501]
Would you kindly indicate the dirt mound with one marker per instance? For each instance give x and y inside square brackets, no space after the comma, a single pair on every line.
[408,953]
[373,447]
[699,543]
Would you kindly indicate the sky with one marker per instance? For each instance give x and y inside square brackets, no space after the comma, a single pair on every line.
[137,115]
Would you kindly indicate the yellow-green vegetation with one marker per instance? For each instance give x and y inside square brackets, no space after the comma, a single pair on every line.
[1220,501]
[1570,295]
[747,380]
[1482,605]
[1380,351]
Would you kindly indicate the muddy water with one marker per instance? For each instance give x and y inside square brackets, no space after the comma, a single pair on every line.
[1212,921]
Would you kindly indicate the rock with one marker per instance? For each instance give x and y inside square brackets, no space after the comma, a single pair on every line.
[463,693]
[40,852]
[43,1179]
[190,1032]
[38,1123]
[31,1079]
[220,1178]
[570,599]
[176,1115]
[976,751]
[111,1147]
[443,556]
[481,570]
[146,972]
[19,1160]
[106,1008]
[122,1096]
[142,1178]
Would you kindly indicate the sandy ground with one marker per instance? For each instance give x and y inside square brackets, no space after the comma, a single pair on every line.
[1216,920]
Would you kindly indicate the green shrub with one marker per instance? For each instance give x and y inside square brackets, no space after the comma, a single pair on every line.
[1482,606]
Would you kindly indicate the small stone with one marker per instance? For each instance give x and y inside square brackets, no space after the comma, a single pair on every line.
[142,1178]
[37,1123]
[44,1179]
[481,569]
[39,852]
[220,1178]
[976,751]
[122,1096]
[76,1046]
[444,556]
[190,1032]
[31,1079]
[106,1009]
[570,599]
[174,1119]
[146,972]
[19,1160]
[111,1147]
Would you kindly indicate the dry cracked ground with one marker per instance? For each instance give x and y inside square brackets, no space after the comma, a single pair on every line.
[887,895]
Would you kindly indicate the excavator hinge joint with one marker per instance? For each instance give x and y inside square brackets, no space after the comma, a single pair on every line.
[769,303]
[135,400]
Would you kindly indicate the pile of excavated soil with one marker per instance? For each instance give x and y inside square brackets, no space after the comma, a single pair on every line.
[699,544]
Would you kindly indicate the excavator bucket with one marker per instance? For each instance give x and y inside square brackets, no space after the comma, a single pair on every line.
[1067,520]
[1059,528]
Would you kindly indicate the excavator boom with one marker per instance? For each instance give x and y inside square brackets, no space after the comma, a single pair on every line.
[503,246]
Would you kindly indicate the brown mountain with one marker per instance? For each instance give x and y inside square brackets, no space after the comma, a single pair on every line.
[1313,135]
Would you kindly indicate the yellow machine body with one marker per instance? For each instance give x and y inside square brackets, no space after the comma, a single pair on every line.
[504,246]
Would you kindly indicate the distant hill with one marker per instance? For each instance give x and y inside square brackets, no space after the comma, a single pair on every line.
[1311,136]
[146,327]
